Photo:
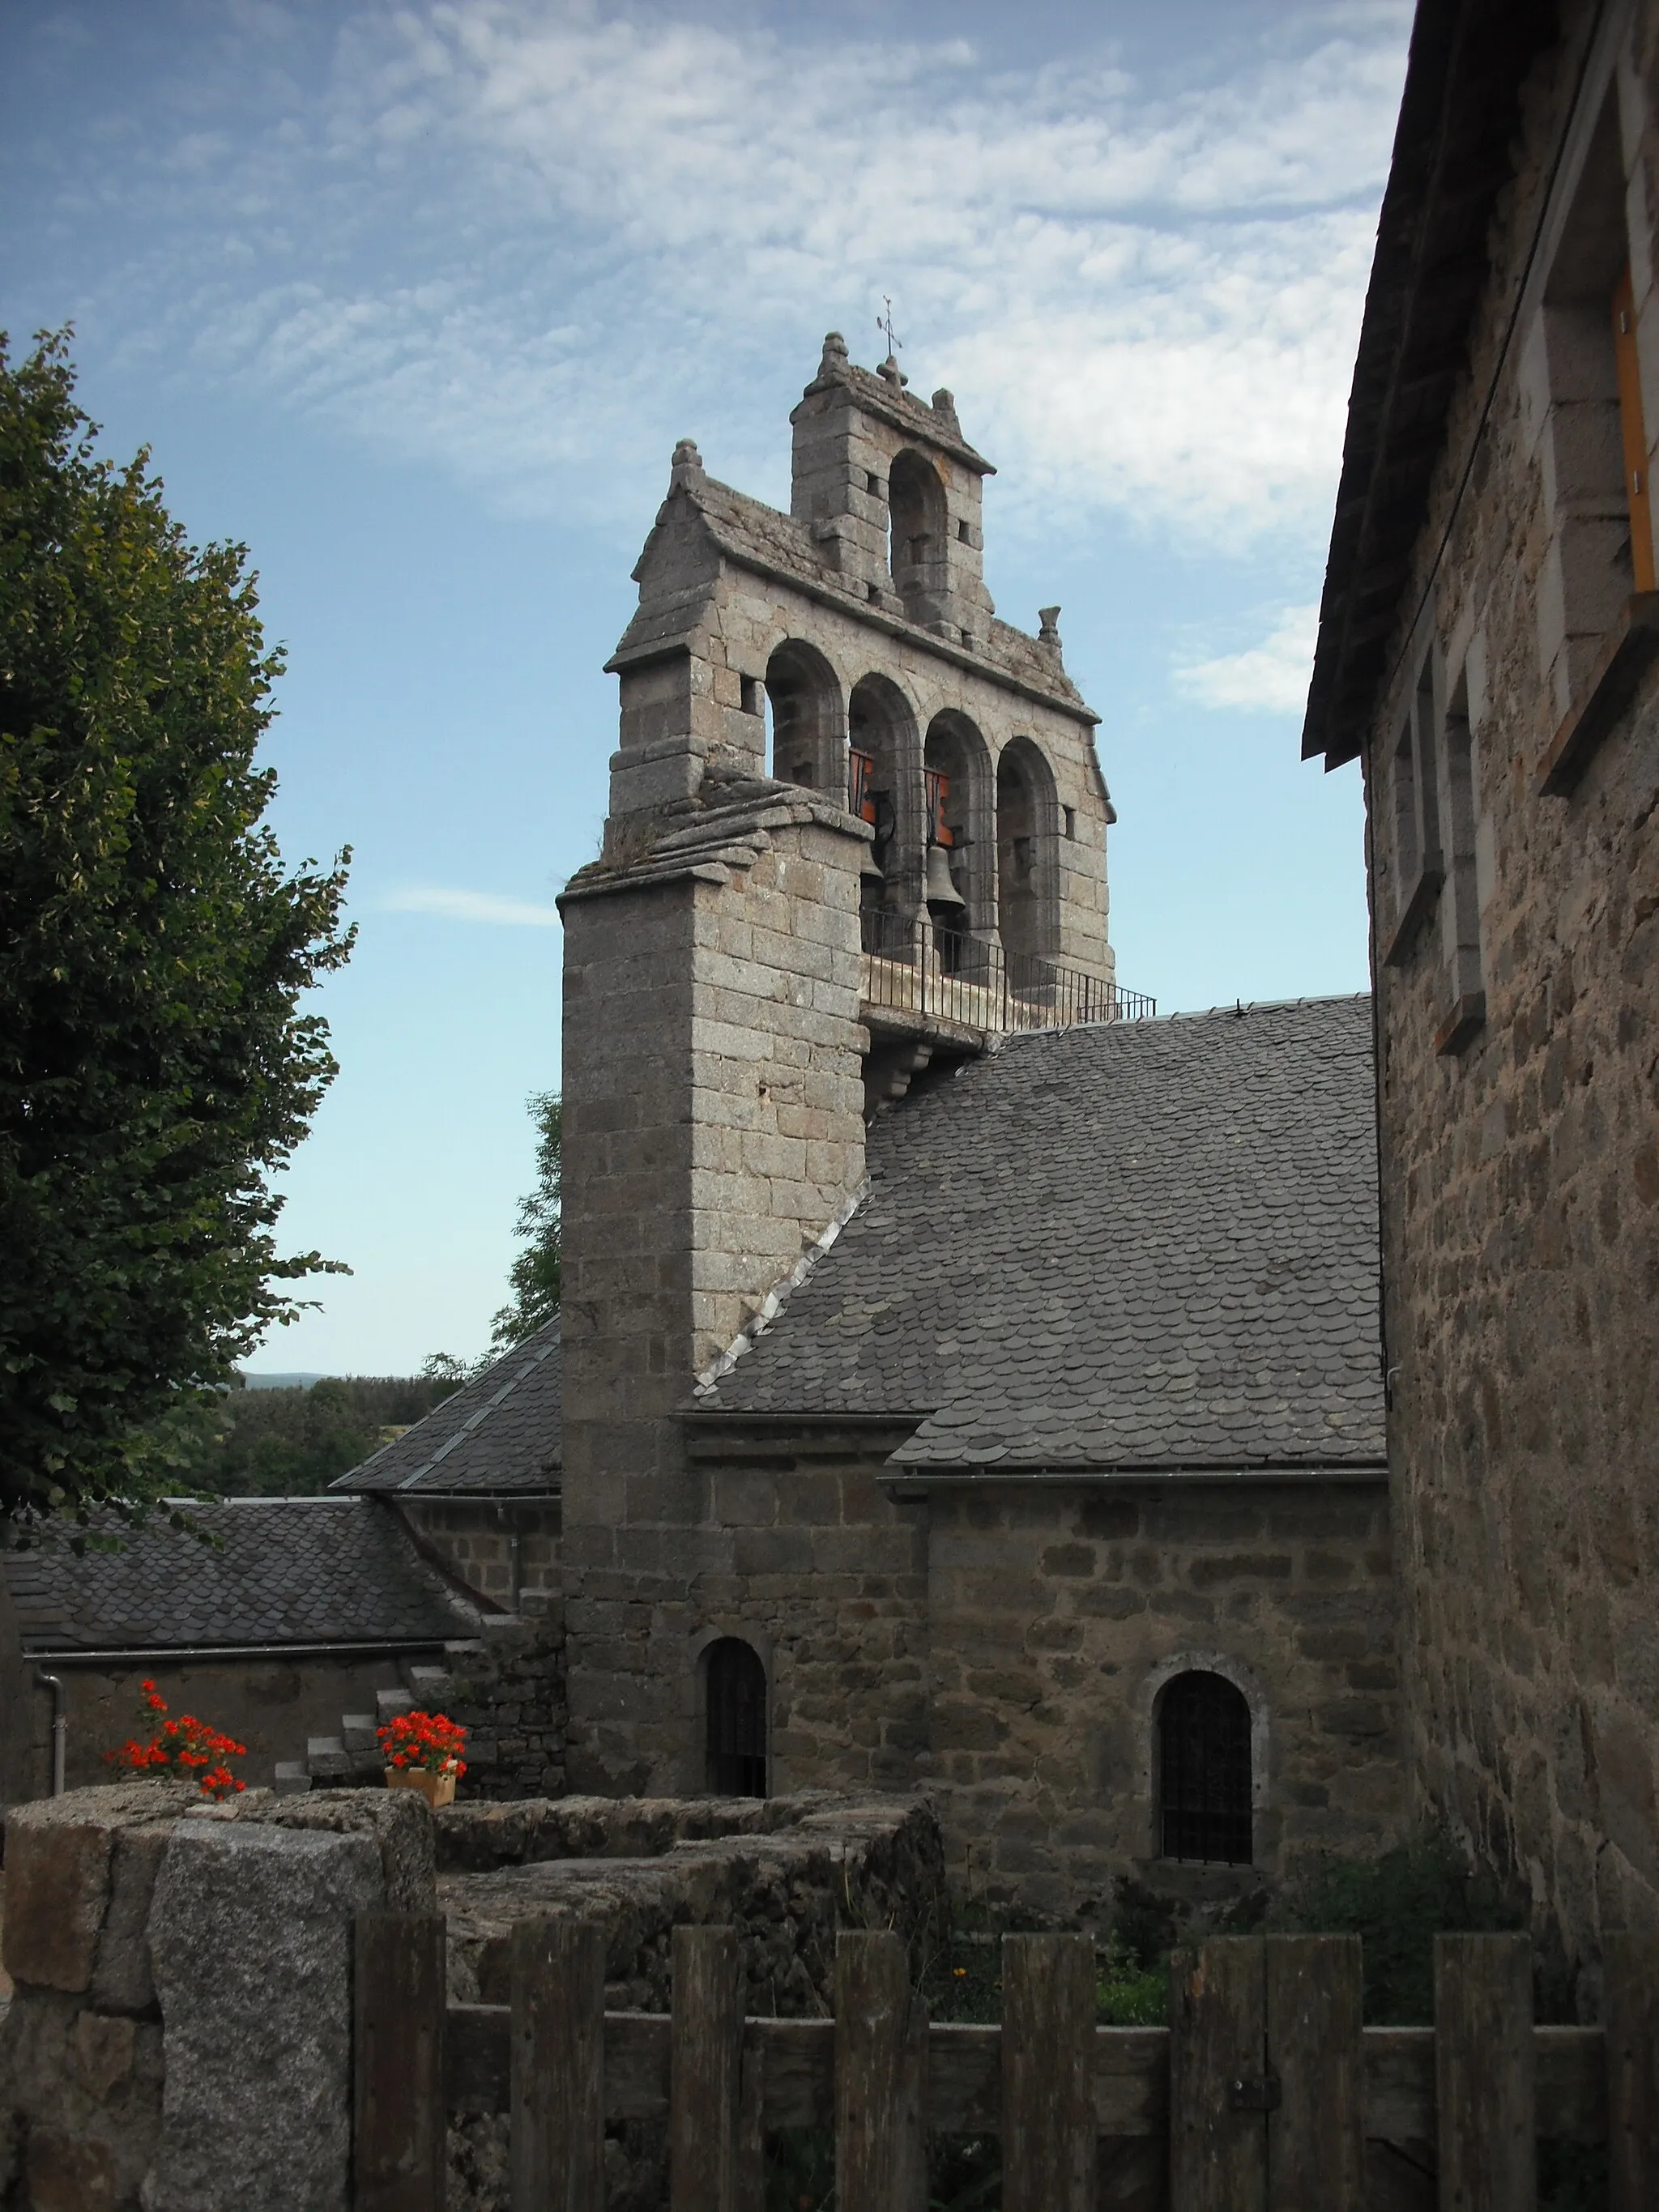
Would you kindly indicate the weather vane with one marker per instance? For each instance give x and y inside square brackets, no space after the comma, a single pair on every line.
[895,346]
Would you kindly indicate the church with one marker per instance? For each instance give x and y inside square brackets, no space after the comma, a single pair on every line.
[968,1382]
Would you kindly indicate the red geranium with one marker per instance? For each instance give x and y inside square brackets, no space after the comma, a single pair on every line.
[187,1746]
[425,1739]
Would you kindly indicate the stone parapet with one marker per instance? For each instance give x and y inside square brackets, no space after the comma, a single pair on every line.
[179,2032]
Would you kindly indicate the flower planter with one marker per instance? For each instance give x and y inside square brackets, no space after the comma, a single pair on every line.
[436,1789]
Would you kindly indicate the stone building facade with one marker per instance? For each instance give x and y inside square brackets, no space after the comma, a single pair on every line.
[1487,651]
[839,984]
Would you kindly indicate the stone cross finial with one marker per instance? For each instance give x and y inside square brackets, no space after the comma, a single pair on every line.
[687,473]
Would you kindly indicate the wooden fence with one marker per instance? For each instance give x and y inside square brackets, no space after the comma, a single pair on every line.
[1265,2085]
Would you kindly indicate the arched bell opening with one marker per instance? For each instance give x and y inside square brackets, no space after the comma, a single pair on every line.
[884,785]
[1028,904]
[918,555]
[1205,1780]
[734,1702]
[807,719]
[961,832]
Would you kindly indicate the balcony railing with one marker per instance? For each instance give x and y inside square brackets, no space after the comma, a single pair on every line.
[972,984]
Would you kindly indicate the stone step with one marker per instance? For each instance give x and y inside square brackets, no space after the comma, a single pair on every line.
[291,1777]
[429,1687]
[388,1703]
[357,1732]
[327,1758]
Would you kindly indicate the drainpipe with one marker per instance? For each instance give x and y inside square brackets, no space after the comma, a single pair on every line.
[59,1729]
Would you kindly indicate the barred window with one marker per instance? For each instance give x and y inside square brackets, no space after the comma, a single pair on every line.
[737,1720]
[1204,1769]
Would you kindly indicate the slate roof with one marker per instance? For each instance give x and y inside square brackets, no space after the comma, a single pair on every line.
[1142,1245]
[497,1435]
[290,1571]
[1454,153]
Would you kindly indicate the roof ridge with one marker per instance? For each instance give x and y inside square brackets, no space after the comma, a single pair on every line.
[780,1295]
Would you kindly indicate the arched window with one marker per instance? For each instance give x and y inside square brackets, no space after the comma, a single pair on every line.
[1027,901]
[917,553]
[959,773]
[737,1719]
[808,731]
[882,733]
[1204,1769]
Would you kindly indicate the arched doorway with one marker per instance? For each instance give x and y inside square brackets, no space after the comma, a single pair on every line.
[735,1702]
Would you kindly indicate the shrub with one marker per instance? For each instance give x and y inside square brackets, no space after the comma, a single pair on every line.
[1396,1904]
[187,1746]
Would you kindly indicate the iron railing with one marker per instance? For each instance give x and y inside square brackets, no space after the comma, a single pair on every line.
[947,975]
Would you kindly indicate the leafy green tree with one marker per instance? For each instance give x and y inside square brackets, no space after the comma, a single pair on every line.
[293,1443]
[154,1066]
[535,1274]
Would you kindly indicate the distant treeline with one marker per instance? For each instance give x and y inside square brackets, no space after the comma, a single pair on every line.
[293,1443]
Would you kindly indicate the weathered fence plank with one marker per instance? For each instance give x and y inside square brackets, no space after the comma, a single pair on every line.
[1316,2129]
[1485,2073]
[397,2062]
[1048,2087]
[1632,2033]
[798,2082]
[558,2035]
[705,2070]
[1217,2083]
[881,2077]
[751,2125]
[964,2082]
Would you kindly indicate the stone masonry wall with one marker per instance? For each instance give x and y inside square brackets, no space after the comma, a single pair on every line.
[1003,1650]
[786,1872]
[506,1550]
[1055,1620]
[183,1970]
[510,1695]
[713,1126]
[787,1542]
[1520,1174]
[182,1984]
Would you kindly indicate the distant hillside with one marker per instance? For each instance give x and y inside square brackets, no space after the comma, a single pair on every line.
[250,1380]
[289,1438]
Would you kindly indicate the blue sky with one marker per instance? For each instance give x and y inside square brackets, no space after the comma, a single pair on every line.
[415,301]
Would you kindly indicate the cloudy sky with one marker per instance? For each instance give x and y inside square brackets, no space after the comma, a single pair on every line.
[415,301]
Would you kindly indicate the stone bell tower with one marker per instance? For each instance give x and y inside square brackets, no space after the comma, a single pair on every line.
[718,1006]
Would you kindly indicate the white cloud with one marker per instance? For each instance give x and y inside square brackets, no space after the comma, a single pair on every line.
[470,906]
[1271,675]
[539,241]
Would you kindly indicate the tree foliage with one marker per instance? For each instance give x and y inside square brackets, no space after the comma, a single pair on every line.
[154,1067]
[534,1276]
[293,1443]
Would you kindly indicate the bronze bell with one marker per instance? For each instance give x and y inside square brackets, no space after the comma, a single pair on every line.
[941,888]
[870,868]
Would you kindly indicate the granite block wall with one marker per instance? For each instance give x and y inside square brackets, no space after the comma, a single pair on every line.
[1520,1140]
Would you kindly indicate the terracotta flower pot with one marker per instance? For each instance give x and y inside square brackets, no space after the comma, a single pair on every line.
[436,1789]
